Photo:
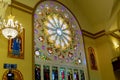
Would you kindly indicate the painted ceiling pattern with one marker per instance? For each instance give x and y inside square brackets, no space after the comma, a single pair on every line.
[57,34]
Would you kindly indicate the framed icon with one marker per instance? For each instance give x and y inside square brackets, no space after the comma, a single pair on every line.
[93,62]
[16,46]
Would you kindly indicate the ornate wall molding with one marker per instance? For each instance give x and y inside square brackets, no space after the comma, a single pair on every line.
[101,33]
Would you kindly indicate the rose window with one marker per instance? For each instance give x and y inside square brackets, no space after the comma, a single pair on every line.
[57,31]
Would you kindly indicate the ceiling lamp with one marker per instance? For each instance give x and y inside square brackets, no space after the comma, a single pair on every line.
[10,28]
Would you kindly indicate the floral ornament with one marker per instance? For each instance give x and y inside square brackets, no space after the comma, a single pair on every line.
[41,38]
[60,56]
[50,50]
[75,47]
[37,53]
[57,31]
[43,57]
[43,47]
[55,57]
[67,60]
[70,55]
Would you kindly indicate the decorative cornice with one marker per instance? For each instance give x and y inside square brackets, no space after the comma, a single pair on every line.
[115,35]
[94,36]
[100,34]
[22,7]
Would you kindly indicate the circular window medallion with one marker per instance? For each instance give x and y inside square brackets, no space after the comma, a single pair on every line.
[57,31]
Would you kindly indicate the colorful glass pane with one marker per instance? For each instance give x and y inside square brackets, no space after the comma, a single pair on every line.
[82,75]
[62,73]
[37,72]
[76,74]
[57,29]
[46,71]
[70,74]
[58,41]
[54,73]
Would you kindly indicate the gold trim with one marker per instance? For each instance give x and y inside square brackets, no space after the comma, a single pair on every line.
[10,44]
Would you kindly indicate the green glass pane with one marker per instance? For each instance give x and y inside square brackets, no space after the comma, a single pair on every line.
[62,73]
[70,74]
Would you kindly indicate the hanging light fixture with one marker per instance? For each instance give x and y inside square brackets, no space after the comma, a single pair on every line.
[10,28]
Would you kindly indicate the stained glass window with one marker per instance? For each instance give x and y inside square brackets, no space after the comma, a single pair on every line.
[57,34]
[57,40]
[57,30]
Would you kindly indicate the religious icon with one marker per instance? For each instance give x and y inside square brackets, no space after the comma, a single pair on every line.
[93,63]
[16,46]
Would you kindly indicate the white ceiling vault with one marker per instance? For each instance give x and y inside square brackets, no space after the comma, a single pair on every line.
[99,14]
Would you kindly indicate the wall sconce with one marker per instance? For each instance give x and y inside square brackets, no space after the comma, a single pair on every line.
[116,45]
[117,48]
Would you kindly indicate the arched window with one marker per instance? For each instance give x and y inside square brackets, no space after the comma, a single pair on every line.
[57,38]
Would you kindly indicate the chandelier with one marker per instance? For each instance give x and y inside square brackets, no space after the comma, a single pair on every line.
[10,28]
